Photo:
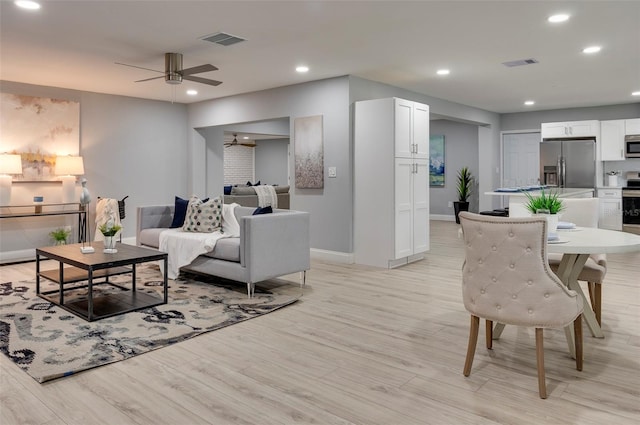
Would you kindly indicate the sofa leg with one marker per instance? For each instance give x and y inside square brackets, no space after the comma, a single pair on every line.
[303,278]
[251,288]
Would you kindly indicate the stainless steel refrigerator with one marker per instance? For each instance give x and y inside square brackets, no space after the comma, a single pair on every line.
[568,162]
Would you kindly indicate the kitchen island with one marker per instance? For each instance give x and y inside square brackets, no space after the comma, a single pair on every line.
[517,199]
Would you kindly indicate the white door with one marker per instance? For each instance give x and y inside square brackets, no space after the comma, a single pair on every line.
[420,206]
[520,159]
[403,207]
[403,127]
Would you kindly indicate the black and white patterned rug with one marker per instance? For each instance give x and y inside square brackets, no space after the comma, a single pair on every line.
[48,342]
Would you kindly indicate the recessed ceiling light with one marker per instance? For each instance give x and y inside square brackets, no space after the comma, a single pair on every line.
[635,93]
[27,4]
[443,72]
[591,49]
[561,17]
[529,102]
[192,92]
[302,68]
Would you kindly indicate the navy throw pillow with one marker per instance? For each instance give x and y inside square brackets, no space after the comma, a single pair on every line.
[227,190]
[263,210]
[180,212]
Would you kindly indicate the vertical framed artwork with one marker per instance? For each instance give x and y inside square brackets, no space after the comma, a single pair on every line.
[436,161]
[308,152]
[39,129]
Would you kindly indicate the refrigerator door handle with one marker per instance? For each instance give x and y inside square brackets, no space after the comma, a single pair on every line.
[563,171]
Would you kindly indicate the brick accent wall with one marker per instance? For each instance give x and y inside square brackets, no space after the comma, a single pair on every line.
[239,165]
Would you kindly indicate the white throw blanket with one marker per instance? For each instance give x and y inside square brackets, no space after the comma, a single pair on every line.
[266,196]
[184,247]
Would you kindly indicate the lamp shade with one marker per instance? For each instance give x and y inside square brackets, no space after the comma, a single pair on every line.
[10,164]
[69,166]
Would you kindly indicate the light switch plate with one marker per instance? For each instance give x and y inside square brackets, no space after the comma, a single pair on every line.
[332,172]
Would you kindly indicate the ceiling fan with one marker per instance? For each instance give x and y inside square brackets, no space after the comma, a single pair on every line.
[235,142]
[174,74]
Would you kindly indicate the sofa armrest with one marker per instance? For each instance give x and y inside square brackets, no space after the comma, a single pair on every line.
[275,244]
[151,217]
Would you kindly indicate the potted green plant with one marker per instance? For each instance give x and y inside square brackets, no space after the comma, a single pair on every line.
[548,204]
[109,231]
[60,236]
[543,202]
[465,181]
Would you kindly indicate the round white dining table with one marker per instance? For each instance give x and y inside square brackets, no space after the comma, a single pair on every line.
[576,245]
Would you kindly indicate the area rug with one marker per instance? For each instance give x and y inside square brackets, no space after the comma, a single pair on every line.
[48,342]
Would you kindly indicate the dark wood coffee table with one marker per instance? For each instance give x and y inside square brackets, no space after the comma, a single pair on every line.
[87,267]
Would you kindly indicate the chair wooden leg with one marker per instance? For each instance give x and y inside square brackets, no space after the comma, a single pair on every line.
[489,335]
[597,302]
[471,349]
[542,386]
[577,329]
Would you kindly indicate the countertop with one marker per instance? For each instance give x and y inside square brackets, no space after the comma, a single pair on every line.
[562,192]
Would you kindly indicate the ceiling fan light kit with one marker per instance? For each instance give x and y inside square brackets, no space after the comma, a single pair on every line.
[173,67]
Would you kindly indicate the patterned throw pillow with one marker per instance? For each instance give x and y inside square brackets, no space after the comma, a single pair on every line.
[204,217]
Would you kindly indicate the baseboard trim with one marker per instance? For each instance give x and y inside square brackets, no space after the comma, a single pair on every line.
[332,256]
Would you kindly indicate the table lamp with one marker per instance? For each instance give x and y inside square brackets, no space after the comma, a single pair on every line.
[9,164]
[68,167]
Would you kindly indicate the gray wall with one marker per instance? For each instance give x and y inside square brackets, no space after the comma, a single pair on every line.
[461,150]
[130,147]
[331,208]
[272,161]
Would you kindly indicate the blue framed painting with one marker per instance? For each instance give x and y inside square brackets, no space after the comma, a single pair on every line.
[436,161]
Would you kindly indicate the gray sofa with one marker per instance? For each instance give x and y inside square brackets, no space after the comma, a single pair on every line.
[270,245]
[246,196]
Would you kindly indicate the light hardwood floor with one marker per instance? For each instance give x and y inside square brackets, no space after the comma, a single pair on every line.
[362,346]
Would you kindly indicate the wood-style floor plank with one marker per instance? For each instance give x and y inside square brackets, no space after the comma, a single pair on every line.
[362,346]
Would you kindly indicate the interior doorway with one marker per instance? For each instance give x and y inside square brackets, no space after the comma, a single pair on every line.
[520,159]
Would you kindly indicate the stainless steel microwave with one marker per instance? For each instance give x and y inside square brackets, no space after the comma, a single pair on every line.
[632,146]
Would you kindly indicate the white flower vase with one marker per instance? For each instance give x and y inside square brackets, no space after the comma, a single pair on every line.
[552,223]
[110,245]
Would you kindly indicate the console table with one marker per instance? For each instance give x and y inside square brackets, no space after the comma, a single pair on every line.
[41,210]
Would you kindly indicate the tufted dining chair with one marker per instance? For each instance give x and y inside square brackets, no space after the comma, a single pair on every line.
[506,279]
[584,213]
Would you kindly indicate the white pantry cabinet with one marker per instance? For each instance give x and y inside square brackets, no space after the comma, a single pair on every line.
[612,140]
[589,128]
[391,182]
[610,209]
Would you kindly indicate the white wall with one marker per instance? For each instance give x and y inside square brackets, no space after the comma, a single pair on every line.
[272,161]
[238,165]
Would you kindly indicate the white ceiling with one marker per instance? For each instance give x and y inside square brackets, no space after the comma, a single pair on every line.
[73,44]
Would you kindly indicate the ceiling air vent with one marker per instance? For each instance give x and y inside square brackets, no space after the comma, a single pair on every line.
[223,39]
[520,62]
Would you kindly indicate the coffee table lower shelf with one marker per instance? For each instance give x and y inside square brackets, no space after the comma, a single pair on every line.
[107,305]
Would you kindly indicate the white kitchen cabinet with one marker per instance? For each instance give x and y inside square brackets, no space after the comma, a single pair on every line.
[391,185]
[610,209]
[632,126]
[589,128]
[411,129]
[612,140]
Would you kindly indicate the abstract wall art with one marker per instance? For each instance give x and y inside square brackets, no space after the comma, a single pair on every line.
[309,152]
[436,161]
[39,129]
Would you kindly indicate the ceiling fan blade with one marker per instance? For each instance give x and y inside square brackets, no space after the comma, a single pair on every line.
[148,79]
[198,69]
[201,80]
[139,67]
